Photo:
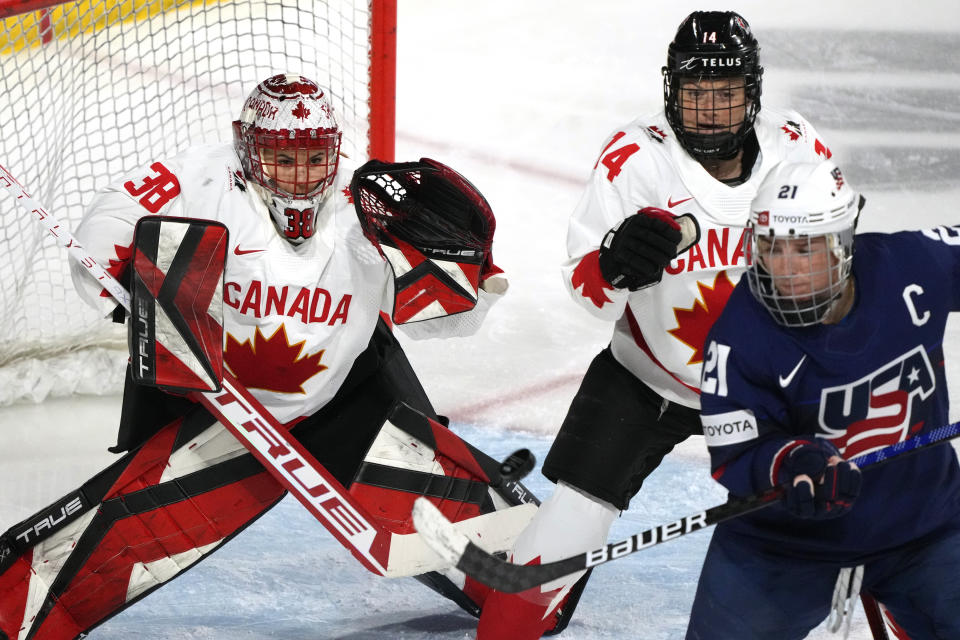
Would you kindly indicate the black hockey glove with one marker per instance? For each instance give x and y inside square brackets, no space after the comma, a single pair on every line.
[634,253]
[819,483]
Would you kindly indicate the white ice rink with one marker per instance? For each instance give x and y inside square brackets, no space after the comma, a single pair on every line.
[519,95]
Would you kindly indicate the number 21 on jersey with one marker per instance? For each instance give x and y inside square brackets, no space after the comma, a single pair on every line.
[713,379]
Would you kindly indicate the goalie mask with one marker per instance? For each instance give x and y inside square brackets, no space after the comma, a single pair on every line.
[802,225]
[288,142]
[711,84]
[433,227]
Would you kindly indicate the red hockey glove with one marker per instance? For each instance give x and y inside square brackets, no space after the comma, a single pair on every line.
[819,482]
[634,253]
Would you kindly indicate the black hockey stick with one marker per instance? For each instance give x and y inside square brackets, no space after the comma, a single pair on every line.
[512,578]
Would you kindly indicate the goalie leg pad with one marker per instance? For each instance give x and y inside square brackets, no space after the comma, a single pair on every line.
[414,455]
[131,529]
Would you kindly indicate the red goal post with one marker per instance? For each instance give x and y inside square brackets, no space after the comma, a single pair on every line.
[93,88]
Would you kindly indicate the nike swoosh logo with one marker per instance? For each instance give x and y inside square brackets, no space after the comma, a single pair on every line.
[671,204]
[242,252]
[784,382]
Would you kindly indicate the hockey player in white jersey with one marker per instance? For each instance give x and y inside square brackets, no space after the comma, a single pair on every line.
[305,298]
[636,259]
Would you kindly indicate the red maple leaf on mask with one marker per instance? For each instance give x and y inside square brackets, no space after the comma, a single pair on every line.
[272,363]
[587,273]
[300,111]
[694,323]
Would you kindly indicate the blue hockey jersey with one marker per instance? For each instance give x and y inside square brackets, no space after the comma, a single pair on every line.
[874,379]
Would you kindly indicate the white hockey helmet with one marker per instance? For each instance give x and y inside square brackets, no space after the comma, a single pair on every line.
[802,223]
[288,141]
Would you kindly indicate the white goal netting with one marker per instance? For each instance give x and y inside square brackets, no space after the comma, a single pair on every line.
[91,89]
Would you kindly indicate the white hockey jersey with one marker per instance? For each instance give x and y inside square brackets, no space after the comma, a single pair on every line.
[660,330]
[295,316]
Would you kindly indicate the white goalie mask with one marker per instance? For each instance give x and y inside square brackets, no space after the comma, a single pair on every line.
[288,142]
[802,224]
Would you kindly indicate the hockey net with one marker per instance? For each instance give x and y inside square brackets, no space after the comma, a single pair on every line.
[91,89]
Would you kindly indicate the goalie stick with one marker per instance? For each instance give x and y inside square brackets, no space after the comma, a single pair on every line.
[512,578]
[376,547]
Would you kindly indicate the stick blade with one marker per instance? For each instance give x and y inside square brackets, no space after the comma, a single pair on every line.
[439,533]
[456,548]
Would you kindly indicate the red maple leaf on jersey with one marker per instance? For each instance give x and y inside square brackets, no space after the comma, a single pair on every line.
[117,264]
[694,323]
[272,363]
[657,132]
[793,133]
[587,273]
[348,195]
[300,111]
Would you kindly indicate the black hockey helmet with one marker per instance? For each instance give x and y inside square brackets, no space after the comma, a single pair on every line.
[712,44]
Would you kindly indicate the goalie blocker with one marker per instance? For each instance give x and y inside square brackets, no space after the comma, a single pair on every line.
[436,231]
[176,323]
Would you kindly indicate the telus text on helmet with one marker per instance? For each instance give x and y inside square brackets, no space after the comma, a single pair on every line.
[711,62]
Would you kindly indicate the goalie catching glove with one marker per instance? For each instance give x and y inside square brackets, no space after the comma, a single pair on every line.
[434,228]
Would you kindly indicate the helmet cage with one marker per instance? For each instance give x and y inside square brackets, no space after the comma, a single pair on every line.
[720,144]
[265,155]
[256,146]
[809,277]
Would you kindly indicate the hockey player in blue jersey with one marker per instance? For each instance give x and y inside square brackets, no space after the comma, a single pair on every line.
[823,353]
